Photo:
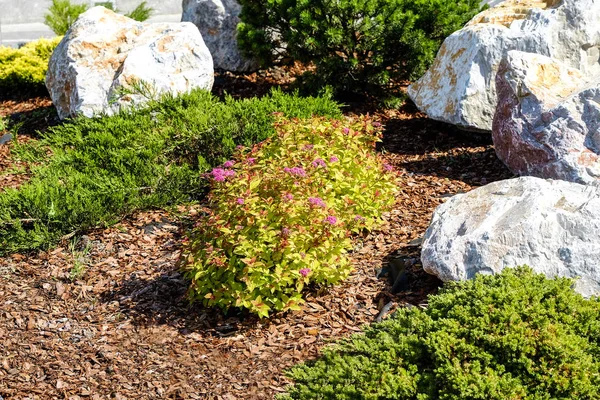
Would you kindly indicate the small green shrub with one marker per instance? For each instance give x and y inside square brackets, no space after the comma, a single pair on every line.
[141,13]
[282,215]
[62,14]
[516,335]
[362,46]
[25,69]
[101,169]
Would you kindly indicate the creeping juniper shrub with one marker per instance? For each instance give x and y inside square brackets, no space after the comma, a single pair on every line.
[24,69]
[358,46]
[91,172]
[516,335]
[282,214]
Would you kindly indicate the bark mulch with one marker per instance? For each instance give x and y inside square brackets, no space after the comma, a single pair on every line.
[105,316]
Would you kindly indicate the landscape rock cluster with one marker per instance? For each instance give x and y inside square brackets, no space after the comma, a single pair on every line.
[460,86]
[107,61]
[529,71]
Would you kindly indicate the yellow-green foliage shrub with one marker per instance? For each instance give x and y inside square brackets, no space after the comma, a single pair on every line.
[282,215]
[25,68]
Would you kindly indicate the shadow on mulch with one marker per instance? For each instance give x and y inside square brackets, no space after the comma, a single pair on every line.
[162,301]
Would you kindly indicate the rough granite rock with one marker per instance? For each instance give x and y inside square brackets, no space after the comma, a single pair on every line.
[552,226]
[107,61]
[547,123]
[217,20]
[459,88]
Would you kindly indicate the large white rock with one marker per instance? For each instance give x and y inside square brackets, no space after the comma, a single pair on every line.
[459,88]
[107,61]
[217,20]
[547,123]
[552,226]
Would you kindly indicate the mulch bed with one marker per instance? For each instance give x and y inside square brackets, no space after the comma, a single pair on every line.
[105,316]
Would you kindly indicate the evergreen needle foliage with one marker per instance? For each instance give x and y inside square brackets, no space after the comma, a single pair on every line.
[62,14]
[512,336]
[361,46]
[101,169]
[24,69]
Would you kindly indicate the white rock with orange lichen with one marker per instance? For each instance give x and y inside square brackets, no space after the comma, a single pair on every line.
[107,62]
[551,226]
[459,88]
[547,123]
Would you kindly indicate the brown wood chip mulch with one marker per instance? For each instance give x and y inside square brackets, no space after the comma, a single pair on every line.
[106,317]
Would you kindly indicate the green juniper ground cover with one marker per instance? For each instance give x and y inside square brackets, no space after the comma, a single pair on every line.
[101,169]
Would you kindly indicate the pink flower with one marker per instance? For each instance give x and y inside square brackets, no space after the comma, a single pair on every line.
[388,167]
[317,202]
[333,159]
[251,161]
[240,201]
[298,171]
[288,196]
[308,147]
[285,232]
[359,218]
[376,124]
[346,130]
[319,162]
[331,220]
[219,174]
[228,164]
[304,272]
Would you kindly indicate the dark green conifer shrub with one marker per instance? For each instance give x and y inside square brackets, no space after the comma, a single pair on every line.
[516,335]
[363,46]
[103,168]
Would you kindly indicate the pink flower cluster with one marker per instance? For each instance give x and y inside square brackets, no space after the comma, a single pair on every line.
[319,162]
[304,272]
[333,159]
[331,220]
[297,171]
[251,160]
[220,174]
[317,202]
[228,164]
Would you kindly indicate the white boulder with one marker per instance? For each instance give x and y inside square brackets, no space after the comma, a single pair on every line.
[552,226]
[107,61]
[459,88]
[547,123]
[217,20]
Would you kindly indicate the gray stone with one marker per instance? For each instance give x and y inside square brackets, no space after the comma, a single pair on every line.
[459,88]
[552,226]
[217,20]
[107,62]
[547,123]
[5,138]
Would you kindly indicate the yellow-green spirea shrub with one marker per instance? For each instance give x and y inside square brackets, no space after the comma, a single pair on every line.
[282,215]
[513,336]
[25,68]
